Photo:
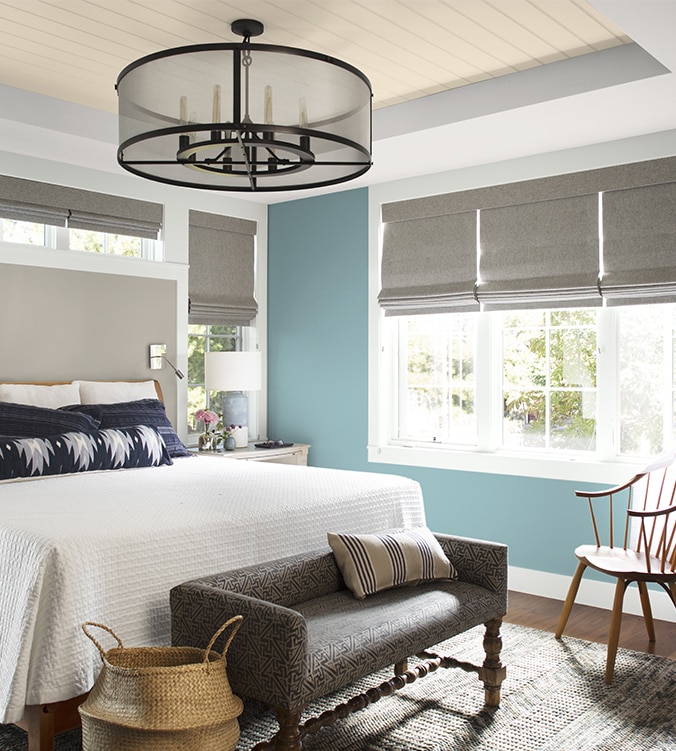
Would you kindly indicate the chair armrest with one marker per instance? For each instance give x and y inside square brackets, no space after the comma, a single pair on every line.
[477,561]
[266,659]
[609,491]
[652,512]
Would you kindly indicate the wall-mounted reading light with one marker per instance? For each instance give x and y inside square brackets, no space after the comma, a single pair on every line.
[157,358]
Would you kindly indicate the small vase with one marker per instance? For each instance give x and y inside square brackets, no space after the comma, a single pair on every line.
[229,443]
[207,442]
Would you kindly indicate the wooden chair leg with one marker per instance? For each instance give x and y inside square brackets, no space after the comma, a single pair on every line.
[647,610]
[570,598]
[615,624]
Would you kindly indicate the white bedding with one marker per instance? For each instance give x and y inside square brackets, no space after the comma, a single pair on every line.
[108,547]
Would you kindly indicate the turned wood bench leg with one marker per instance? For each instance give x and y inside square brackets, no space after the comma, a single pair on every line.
[289,736]
[492,672]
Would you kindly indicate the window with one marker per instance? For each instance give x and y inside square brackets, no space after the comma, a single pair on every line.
[596,384]
[61,238]
[201,339]
[15,231]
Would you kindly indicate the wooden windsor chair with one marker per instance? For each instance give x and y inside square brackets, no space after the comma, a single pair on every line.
[648,549]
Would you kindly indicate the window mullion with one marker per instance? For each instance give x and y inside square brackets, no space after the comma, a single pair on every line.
[607,385]
[667,376]
[488,386]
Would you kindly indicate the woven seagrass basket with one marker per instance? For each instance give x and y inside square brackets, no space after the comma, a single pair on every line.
[161,698]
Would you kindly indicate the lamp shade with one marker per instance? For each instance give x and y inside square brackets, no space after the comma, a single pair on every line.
[233,371]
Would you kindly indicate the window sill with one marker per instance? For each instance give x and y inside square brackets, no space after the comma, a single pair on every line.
[577,469]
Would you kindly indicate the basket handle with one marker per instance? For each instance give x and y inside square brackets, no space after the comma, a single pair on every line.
[237,619]
[105,628]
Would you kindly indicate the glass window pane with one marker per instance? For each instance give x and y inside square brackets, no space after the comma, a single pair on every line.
[124,245]
[196,400]
[30,233]
[83,239]
[196,348]
[573,420]
[641,378]
[524,357]
[525,419]
[230,331]
[438,352]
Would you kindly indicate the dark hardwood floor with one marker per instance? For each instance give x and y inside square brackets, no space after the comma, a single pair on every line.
[591,624]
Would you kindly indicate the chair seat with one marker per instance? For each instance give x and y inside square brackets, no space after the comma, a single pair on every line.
[623,563]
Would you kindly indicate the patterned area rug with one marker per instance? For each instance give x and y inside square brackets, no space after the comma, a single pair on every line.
[554,699]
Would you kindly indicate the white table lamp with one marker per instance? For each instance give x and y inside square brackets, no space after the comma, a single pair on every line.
[234,373]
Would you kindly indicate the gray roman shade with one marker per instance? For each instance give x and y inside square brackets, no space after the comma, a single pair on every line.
[539,243]
[32,201]
[429,263]
[639,245]
[221,277]
[540,255]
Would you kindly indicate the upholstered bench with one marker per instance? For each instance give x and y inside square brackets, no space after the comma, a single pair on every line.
[305,634]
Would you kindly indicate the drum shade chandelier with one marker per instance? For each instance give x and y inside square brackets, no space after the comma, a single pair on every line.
[244,117]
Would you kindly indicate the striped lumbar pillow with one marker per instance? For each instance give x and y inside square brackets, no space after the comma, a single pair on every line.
[373,562]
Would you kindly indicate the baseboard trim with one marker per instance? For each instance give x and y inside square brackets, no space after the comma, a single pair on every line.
[595,593]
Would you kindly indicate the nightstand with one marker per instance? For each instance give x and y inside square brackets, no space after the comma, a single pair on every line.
[296,454]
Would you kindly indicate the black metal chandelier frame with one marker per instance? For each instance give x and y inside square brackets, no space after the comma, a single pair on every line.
[243,149]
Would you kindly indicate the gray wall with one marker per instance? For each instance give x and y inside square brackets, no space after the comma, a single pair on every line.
[59,324]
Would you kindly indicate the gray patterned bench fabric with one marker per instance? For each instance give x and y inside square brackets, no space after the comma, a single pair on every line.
[305,635]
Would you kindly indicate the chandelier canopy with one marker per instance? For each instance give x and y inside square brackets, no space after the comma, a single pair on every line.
[244,117]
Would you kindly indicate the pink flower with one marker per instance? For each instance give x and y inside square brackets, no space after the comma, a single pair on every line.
[206,416]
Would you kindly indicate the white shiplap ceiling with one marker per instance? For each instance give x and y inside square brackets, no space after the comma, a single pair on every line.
[457,83]
[74,49]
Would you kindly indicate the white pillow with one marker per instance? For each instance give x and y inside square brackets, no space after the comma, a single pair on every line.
[113,392]
[52,397]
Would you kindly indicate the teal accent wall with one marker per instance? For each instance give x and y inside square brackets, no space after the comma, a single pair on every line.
[317,376]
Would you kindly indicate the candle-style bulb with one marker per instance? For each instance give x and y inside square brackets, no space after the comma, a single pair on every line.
[183,109]
[216,112]
[302,113]
[268,106]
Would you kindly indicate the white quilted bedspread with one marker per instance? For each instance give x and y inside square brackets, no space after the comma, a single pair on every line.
[107,547]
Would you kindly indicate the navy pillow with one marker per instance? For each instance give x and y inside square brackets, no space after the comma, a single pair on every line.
[141,412]
[120,448]
[26,421]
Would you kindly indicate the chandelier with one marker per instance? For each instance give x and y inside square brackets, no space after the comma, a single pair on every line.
[244,117]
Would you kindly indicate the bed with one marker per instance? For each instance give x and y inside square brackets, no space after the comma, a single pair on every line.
[107,545]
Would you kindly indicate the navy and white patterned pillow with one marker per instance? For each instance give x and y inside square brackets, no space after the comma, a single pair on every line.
[141,412]
[26,421]
[113,448]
